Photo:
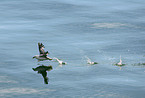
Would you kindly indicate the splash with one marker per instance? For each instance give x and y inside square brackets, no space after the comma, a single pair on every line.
[19,91]
[89,61]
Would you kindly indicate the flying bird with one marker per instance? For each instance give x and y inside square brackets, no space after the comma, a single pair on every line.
[41,49]
[42,54]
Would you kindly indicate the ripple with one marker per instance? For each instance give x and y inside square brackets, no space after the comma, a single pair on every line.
[18,91]
[109,25]
[4,79]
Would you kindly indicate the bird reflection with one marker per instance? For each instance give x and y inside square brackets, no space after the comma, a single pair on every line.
[42,70]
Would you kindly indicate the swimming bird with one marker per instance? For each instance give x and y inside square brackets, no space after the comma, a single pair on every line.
[139,64]
[42,70]
[120,63]
[60,62]
[90,62]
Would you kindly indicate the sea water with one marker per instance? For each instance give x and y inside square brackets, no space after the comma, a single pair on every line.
[72,30]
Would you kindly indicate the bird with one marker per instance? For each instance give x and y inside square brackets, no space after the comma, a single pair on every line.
[41,49]
[42,70]
[90,62]
[60,62]
[43,55]
[41,58]
[139,64]
[119,63]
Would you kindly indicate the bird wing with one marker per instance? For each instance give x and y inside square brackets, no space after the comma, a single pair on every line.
[41,50]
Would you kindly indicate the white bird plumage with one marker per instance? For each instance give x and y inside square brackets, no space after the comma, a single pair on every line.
[90,62]
[60,62]
[120,63]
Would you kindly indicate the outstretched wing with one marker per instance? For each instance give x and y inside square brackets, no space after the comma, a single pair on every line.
[41,48]
[45,54]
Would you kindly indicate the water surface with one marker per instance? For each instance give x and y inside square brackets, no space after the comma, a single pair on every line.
[71,30]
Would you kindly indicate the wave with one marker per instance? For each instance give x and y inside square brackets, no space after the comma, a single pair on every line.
[109,25]
[18,91]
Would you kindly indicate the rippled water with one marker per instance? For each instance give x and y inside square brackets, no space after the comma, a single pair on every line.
[70,31]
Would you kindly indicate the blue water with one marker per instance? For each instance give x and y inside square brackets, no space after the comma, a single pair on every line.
[71,30]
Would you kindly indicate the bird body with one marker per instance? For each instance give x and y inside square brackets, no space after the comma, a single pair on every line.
[90,62]
[43,54]
[120,63]
[41,58]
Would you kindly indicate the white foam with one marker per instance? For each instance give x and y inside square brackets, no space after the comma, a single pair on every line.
[109,25]
[19,91]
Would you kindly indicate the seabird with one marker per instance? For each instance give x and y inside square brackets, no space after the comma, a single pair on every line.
[120,63]
[43,54]
[42,70]
[139,64]
[90,62]
[60,62]
[41,49]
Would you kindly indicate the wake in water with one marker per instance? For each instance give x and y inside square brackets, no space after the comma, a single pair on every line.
[139,64]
